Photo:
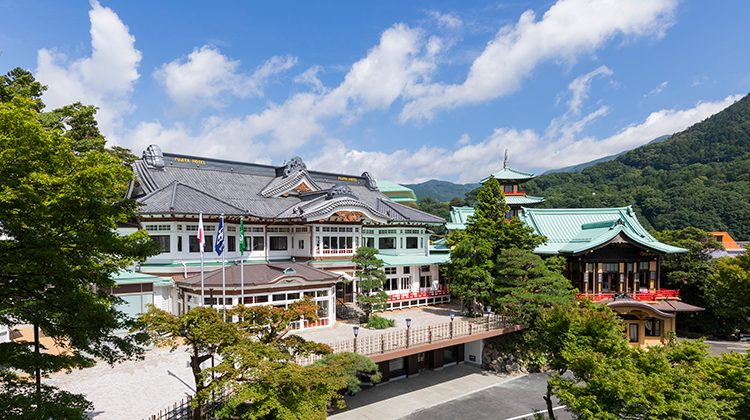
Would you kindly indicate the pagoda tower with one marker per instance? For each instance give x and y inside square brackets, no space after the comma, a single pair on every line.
[511,181]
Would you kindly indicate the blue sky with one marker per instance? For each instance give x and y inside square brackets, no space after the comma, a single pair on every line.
[409,91]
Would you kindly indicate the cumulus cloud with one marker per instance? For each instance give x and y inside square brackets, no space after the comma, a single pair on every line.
[465,139]
[104,79]
[528,149]
[567,30]
[206,77]
[403,57]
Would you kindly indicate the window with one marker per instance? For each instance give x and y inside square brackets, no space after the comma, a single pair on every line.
[590,267]
[611,267]
[209,243]
[387,243]
[406,270]
[162,240]
[412,242]
[653,327]
[277,243]
[370,242]
[301,244]
[280,229]
[633,333]
[643,265]
[258,244]
[154,228]
[405,283]
[425,282]
[179,244]
[231,228]
[388,231]
[507,188]
[425,269]
[390,284]
[390,270]
[231,243]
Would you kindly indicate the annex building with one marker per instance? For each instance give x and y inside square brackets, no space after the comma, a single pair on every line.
[301,229]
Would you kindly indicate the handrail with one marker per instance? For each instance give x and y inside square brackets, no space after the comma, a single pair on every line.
[440,291]
[638,296]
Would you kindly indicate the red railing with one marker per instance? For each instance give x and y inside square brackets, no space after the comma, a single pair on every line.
[440,291]
[516,193]
[639,296]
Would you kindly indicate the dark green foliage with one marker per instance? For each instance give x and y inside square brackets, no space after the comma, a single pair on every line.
[732,282]
[380,323]
[691,273]
[21,83]
[699,177]
[370,281]
[476,268]
[441,191]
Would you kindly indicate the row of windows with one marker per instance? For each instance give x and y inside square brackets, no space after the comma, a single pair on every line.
[653,328]
[404,283]
[389,242]
[615,267]
[252,243]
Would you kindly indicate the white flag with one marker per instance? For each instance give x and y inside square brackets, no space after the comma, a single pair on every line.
[201,236]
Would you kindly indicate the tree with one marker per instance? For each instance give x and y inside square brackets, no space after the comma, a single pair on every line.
[525,285]
[474,268]
[732,280]
[731,371]
[370,281]
[58,215]
[261,367]
[201,329]
[611,380]
[692,273]
[21,83]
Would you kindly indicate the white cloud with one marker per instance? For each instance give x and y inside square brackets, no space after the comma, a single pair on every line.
[207,76]
[580,88]
[657,90]
[105,79]
[528,150]
[447,20]
[465,139]
[310,77]
[567,30]
[402,58]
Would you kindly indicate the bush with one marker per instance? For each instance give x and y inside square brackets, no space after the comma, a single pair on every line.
[380,323]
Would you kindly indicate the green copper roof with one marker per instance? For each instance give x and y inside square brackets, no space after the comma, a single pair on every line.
[129,277]
[519,200]
[459,217]
[573,231]
[508,174]
[403,260]
[388,186]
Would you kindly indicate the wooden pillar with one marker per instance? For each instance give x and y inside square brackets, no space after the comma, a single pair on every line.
[412,365]
[436,361]
[385,370]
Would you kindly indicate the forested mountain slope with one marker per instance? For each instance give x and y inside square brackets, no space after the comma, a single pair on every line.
[441,191]
[699,177]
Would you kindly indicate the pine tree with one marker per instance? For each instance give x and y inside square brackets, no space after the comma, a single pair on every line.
[370,281]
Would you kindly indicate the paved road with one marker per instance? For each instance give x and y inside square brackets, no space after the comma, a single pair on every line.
[517,399]
[718,347]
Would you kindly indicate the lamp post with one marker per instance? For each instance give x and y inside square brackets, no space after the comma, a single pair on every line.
[211,297]
[356,332]
[453,315]
[489,313]
[408,328]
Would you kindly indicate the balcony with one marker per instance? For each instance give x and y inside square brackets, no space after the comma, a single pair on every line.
[639,296]
[440,291]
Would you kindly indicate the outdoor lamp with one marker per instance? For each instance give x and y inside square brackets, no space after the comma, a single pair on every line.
[489,309]
[453,315]
[408,322]
[356,331]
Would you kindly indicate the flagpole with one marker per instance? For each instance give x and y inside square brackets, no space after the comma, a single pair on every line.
[223,276]
[242,264]
[201,241]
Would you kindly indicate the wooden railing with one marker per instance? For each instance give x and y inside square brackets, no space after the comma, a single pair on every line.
[639,296]
[390,341]
[440,291]
[516,193]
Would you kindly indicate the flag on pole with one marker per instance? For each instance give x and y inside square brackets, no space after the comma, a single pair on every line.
[242,237]
[201,235]
[219,247]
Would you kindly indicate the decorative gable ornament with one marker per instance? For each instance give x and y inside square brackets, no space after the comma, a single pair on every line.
[294,165]
[153,157]
[370,182]
[340,190]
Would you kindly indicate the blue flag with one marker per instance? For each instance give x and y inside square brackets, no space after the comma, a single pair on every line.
[219,247]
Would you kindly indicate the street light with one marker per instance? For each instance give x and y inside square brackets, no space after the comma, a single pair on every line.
[408,327]
[211,297]
[453,315]
[356,333]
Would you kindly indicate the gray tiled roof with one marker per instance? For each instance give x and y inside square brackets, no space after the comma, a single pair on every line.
[235,188]
[264,274]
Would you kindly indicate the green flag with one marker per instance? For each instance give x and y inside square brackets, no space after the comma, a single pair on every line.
[242,237]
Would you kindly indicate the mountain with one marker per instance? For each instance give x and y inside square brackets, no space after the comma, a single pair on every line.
[582,166]
[699,177]
[441,191]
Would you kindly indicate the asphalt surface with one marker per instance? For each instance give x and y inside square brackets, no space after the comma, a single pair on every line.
[513,400]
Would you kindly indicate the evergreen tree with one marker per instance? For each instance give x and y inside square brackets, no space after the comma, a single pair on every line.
[370,281]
